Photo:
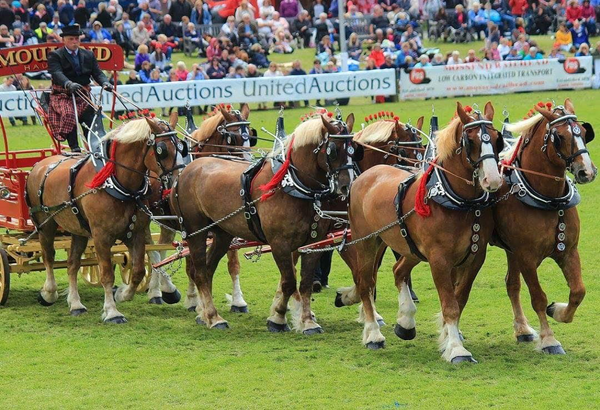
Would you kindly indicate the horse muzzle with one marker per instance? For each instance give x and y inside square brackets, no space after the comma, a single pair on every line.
[584,175]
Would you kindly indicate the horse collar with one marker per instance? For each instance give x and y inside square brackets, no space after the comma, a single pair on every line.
[439,189]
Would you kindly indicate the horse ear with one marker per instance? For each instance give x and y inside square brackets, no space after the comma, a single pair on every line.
[245,111]
[464,118]
[350,122]
[488,111]
[569,106]
[173,119]
[154,127]
[328,126]
[420,123]
[228,117]
[547,114]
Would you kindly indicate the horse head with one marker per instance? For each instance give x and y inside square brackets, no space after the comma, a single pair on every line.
[481,144]
[567,137]
[169,153]
[334,153]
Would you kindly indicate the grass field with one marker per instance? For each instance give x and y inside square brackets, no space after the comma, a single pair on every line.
[162,359]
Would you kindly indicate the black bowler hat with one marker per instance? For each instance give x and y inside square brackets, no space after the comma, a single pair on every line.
[72,30]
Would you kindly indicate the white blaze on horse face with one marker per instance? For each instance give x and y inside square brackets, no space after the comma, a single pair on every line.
[489,179]
[585,157]
[247,155]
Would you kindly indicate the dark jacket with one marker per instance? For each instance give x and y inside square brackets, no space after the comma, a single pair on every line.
[297,25]
[179,9]
[66,14]
[105,18]
[61,68]
[455,23]
[7,17]
[242,29]
[81,16]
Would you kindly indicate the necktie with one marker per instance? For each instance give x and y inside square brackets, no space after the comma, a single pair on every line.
[76,65]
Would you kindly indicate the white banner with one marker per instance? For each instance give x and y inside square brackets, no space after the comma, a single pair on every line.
[496,77]
[178,94]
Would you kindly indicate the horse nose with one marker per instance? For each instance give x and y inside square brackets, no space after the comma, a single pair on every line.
[582,176]
[491,184]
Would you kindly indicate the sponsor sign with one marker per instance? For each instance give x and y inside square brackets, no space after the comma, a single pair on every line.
[27,59]
[496,77]
[247,90]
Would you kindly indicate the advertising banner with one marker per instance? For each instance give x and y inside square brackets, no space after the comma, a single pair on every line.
[496,77]
[247,90]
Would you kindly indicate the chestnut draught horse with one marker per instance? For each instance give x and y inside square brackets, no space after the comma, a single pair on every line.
[67,191]
[450,231]
[539,219]
[314,166]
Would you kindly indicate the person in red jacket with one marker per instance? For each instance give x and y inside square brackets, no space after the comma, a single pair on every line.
[573,12]
[518,7]
[377,55]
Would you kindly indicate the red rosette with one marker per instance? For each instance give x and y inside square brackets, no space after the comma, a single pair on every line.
[152,115]
[540,104]
[468,109]
[396,118]
[549,105]
[330,114]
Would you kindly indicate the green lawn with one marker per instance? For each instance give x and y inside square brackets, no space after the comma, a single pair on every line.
[162,359]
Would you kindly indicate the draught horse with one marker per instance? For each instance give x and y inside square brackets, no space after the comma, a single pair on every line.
[451,230]
[67,191]
[315,165]
[539,219]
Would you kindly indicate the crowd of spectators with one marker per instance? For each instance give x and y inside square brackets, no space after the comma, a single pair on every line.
[379,33]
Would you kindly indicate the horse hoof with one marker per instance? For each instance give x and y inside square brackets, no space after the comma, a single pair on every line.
[338,300]
[414,296]
[117,320]
[221,325]
[199,321]
[276,327]
[156,301]
[78,312]
[192,309]
[239,309]
[405,334]
[554,350]
[525,338]
[313,331]
[171,297]
[375,345]
[43,301]
[461,359]
[380,322]
[550,309]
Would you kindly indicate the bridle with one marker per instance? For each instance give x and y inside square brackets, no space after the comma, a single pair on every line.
[158,145]
[330,149]
[399,147]
[243,137]
[555,138]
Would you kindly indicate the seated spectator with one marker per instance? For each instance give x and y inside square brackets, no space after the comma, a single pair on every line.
[297,68]
[230,30]
[518,7]
[237,72]
[493,35]
[354,47]
[366,6]
[252,72]
[353,12]
[180,8]
[379,21]
[541,21]
[258,56]
[477,19]
[370,65]
[388,62]
[280,23]
[325,49]
[494,52]
[81,14]
[100,34]
[405,51]
[504,47]
[289,9]
[573,12]
[115,10]
[323,26]
[133,78]
[6,40]
[491,15]
[145,71]
[45,34]
[330,68]
[388,46]
[438,59]
[521,42]
[164,44]
[214,49]
[265,28]
[316,9]
[580,34]
[41,16]
[301,28]
[454,58]
[471,57]
[564,39]
[525,50]
[281,43]
[401,21]
[170,30]
[181,71]
[20,13]
[103,16]
[18,38]
[588,16]
[234,61]
[159,60]
[379,36]
[273,71]
[215,71]
[193,36]
[247,32]
[267,9]
[128,25]
[197,73]
[244,8]
[155,76]
[459,23]
[201,13]
[411,37]
[29,36]
[513,55]
[141,56]
[317,67]
[55,24]
[149,24]
[122,40]
[556,54]
[377,55]
[139,35]
[533,54]
[584,51]
[423,61]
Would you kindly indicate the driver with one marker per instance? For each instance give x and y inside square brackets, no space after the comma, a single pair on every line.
[71,68]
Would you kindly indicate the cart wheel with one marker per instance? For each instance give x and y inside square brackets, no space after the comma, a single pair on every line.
[127,270]
[4,277]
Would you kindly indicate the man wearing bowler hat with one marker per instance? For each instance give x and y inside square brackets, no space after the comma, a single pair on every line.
[71,68]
